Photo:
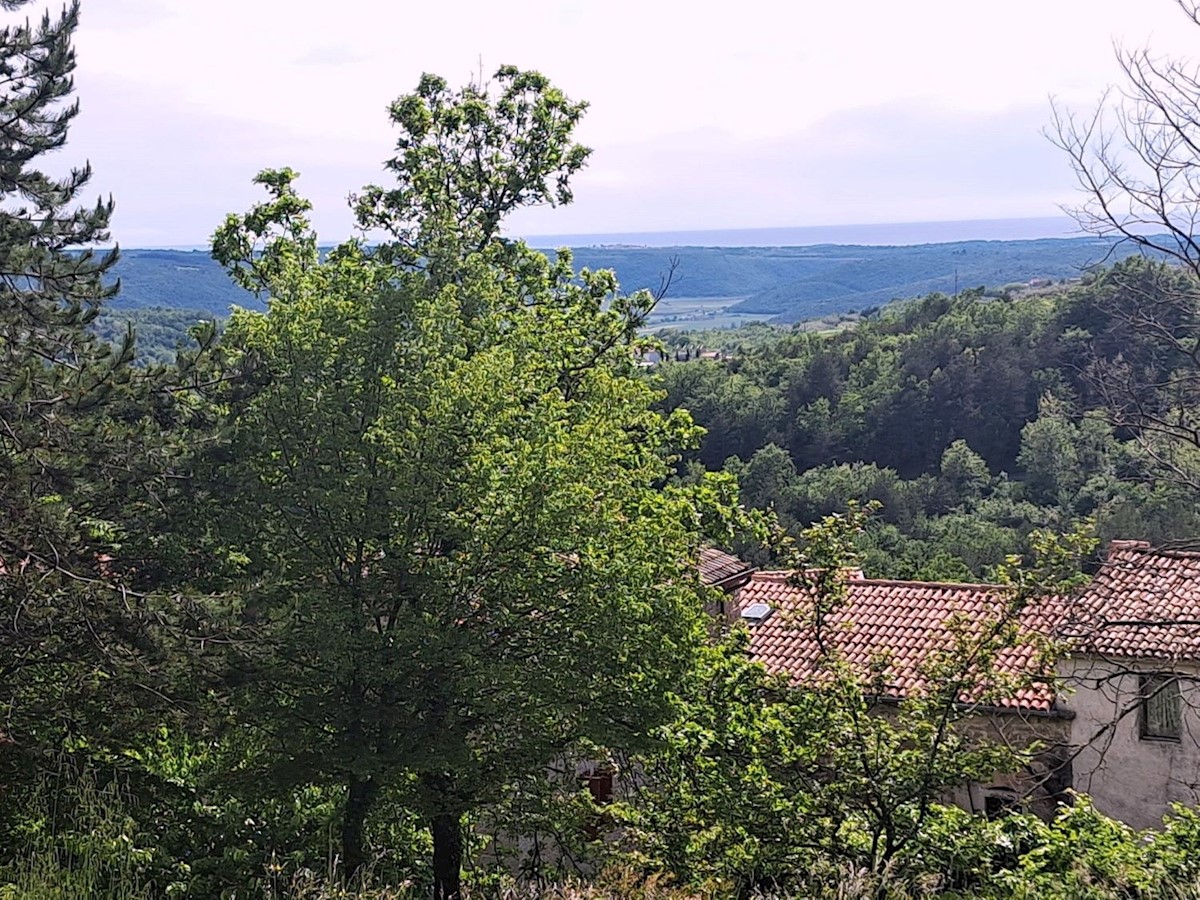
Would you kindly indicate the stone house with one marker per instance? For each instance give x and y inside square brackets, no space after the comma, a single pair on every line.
[1115,707]
[886,631]
[1131,682]
[1116,712]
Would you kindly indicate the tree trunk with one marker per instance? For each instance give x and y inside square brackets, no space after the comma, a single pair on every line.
[447,857]
[358,803]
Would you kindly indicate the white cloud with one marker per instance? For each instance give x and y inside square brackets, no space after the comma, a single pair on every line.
[899,162]
[328,55]
[702,114]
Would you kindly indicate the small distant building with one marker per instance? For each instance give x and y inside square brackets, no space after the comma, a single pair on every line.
[649,359]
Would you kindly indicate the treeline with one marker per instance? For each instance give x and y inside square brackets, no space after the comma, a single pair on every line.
[787,284]
[972,420]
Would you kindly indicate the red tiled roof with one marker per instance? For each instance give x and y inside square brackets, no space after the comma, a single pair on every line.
[896,624]
[720,569]
[1142,603]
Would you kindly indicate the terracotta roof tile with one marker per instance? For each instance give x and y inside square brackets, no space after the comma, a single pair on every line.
[1142,603]
[722,570]
[894,625]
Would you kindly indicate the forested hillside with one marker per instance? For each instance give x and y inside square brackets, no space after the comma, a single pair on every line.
[841,279]
[972,420]
[160,330]
[178,279]
[1011,437]
[783,283]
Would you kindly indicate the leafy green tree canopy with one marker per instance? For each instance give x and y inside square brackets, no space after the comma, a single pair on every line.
[446,482]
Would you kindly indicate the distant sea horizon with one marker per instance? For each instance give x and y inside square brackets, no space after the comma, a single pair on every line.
[878,234]
[885,234]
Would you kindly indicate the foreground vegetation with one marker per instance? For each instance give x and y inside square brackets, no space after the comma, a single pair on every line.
[372,592]
[1081,854]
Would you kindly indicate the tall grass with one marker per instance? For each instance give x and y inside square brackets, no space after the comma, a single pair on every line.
[78,842]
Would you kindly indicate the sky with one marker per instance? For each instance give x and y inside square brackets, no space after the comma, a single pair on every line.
[756,114]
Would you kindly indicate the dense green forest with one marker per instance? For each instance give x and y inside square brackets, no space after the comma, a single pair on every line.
[182,279]
[972,420]
[391,587]
[161,330]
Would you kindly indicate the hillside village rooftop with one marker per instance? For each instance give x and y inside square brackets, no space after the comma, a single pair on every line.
[1123,678]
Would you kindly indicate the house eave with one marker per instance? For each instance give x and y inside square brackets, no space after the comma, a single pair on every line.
[1054,712]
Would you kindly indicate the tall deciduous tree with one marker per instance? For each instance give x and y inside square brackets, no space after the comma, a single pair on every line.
[1136,158]
[448,483]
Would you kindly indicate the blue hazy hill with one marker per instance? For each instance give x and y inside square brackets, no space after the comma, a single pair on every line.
[859,277]
[793,283]
[177,279]
[783,283]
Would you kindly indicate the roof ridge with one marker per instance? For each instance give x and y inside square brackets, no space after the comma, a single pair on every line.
[772,574]
[903,582]
[1157,551]
[1187,550]
[785,574]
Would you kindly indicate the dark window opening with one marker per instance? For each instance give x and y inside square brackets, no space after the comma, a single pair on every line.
[1161,716]
[999,802]
[599,783]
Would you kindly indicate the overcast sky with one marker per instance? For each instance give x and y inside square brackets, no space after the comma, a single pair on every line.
[760,113]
